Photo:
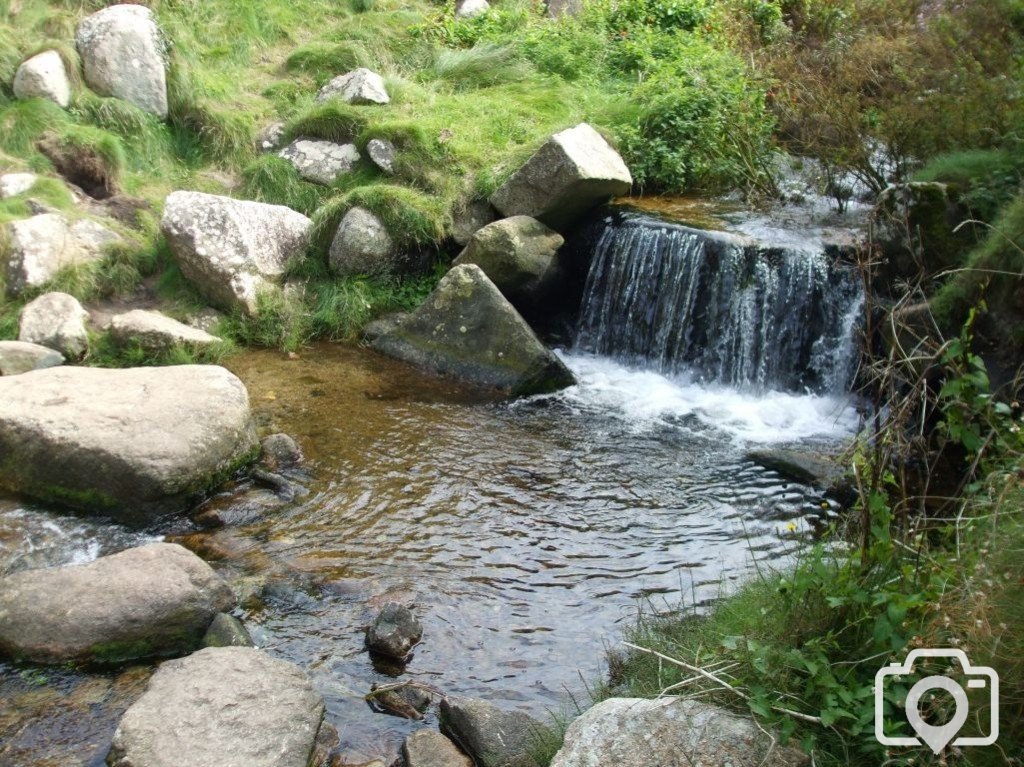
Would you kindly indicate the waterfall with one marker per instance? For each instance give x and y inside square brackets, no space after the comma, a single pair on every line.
[720,307]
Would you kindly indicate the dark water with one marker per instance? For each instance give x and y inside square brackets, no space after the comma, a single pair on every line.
[526,535]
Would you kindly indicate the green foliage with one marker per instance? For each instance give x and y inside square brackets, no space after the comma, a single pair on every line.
[22,123]
[481,66]
[105,352]
[327,60]
[987,179]
[48,191]
[333,121]
[665,15]
[273,179]
[415,219]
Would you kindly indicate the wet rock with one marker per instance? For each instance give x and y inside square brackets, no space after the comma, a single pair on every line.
[468,220]
[820,471]
[43,76]
[241,507]
[382,325]
[232,250]
[150,601]
[222,707]
[467,329]
[406,701]
[468,9]
[17,357]
[633,732]
[362,245]
[133,444]
[227,631]
[361,86]
[520,256]
[13,184]
[394,632]
[382,154]
[280,451]
[321,162]
[57,321]
[572,173]
[271,137]
[42,245]
[494,738]
[124,55]
[428,748]
[156,332]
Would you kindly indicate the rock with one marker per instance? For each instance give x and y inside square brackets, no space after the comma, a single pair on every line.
[43,76]
[360,86]
[124,55]
[468,9]
[573,172]
[669,732]
[428,748]
[468,220]
[221,707]
[820,471]
[55,320]
[145,602]
[519,255]
[132,443]
[206,319]
[494,738]
[17,357]
[271,137]
[42,245]
[13,184]
[467,329]
[280,452]
[382,154]
[401,702]
[232,250]
[558,8]
[321,162]
[226,631]
[362,245]
[382,325]
[394,632]
[156,332]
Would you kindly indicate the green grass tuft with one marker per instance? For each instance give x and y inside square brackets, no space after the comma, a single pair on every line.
[332,121]
[273,179]
[325,61]
[483,65]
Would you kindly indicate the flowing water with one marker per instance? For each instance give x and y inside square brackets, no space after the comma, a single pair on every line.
[526,534]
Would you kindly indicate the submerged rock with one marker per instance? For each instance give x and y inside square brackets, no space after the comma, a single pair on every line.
[467,329]
[360,86]
[394,632]
[222,707]
[156,332]
[43,76]
[494,738]
[17,357]
[280,451]
[362,245]
[57,321]
[133,444]
[145,602]
[821,471]
[124,55]
[40,246]
[232,250]
[428,748]
[572,173]
[322,162]
[669,732]
[226,631]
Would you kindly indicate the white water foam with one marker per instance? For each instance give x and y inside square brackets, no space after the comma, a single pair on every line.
[648,399]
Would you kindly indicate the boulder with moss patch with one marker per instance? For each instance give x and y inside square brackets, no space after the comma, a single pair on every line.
[43,76]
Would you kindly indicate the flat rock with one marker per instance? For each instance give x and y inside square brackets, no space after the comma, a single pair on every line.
[133,444]
[572,173]
[157,332]
[150,601]
[232,250]
[124,55]
[17,357]
[468,330]
[13,184]
[820,471]
[382,154]
[362,246]
[360,86]
[669,732]
[428,748]
[222,707]
[57,321]
[322,162]
[394,632]
[494,738]
[44,77]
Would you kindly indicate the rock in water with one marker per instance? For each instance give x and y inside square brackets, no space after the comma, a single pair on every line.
[156,332]
[427,748]
[57,321]
[226,631]
[43,76]
[221,707]
[360,86]
[394,632]
[573,172]
[362,245]
[494,738]
[145,602]
[321,162]
[467,329]
[280,451]
[133,444]
[669,732]
[17,357]
[232,250]
[124,55]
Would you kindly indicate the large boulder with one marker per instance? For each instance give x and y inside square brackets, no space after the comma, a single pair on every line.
[429,748]
[40,246]
[669,732]
[321,162]
[124,54]
[57,321]
[232,250]
[157,332]
[493,737]
[360,86]
[17,357]
[362,245]
[150,601]
[519,255]
[394,632]
[133,444]
[222,707]
[467,329]
[573,172]
[43,76]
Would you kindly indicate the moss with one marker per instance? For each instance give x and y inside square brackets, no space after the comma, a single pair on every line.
[324,60]
[84,500]
[332,121]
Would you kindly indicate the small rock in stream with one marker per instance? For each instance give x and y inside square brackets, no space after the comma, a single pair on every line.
[494,738]
[227,631]
[394,632]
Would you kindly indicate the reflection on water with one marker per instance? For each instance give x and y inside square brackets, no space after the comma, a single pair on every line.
[523,533]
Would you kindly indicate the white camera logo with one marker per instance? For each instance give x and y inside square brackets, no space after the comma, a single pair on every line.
[937,738]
